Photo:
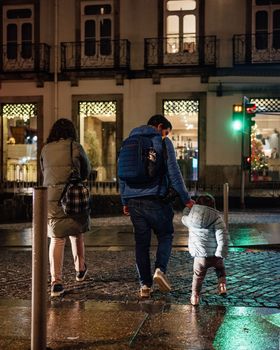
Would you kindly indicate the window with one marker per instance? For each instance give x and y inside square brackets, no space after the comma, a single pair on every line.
[266,25]
[97,32]
[265,141]
[183,115]
[18,32]
[276,29]
[20,142]
[181,25]
[98,136]
[261,30]
[90,38]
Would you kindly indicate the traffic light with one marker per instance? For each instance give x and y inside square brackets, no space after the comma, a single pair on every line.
[246,163]
[237,117]
[250,113]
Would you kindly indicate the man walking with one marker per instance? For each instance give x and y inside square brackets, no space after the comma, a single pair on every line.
[145,201]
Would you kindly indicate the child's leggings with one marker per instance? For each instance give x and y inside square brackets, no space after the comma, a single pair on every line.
[200,267]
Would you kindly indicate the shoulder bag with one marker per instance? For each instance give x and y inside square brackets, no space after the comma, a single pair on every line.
[75,196]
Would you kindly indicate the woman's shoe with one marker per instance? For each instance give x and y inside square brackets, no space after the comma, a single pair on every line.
[57,290]
[81,275]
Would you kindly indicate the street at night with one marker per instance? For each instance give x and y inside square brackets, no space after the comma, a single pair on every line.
[105,312]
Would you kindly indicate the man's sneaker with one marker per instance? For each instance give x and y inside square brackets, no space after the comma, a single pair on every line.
[222,289]
[81,275]
[162,281]
[57,290]
[145,292]
[194,299]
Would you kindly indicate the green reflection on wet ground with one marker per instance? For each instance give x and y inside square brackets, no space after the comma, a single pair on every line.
[243,331]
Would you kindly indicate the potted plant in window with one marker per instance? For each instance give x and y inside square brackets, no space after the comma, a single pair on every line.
[92,147]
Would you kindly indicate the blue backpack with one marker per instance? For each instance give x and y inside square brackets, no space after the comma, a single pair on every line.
[138,161]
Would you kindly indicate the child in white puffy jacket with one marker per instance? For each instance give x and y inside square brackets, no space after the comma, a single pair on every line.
[208,243]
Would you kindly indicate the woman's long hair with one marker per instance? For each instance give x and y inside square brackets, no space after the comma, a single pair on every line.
[62,129]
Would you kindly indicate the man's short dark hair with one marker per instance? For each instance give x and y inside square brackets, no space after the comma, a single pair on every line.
[157,119]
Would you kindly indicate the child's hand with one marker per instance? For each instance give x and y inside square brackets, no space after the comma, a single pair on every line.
[126,210]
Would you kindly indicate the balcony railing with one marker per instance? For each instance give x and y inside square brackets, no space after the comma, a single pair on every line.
[256,48]
[180,51]
[25,58]
[90,55]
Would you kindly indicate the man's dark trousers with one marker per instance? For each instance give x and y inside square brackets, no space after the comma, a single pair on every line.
[149,214]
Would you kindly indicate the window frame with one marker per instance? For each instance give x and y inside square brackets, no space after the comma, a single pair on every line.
[19,22]
[99,41]
[268,33]
[182,38]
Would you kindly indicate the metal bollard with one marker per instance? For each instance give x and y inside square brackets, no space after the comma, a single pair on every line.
[39,269]
[226,191]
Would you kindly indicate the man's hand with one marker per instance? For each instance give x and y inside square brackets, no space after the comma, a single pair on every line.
[125,210]
[190,203]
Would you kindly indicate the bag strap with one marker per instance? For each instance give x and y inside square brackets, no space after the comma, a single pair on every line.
[67,183]
[74,168]
[71,153]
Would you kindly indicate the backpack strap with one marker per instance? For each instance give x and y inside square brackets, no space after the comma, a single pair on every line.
[163,173]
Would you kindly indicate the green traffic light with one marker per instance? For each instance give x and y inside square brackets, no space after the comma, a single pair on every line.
[237,117]
[237,125]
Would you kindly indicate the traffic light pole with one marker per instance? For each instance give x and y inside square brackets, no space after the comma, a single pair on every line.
[242,121]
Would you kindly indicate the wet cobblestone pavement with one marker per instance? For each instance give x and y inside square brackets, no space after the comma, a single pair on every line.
[104,311]
[253,278]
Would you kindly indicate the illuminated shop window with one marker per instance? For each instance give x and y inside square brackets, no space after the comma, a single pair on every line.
[265,141]
[98,136]
[20,142]
[183,115]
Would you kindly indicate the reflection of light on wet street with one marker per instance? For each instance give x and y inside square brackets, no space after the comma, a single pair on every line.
[16,238]
[245,330]
[274,319]
[241,235]
[247,236]
[258,234]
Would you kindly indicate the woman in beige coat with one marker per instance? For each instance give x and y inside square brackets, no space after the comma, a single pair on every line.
[56,166]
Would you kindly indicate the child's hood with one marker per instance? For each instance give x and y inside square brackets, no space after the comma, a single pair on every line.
[202,216]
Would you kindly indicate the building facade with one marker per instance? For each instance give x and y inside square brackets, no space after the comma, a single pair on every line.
[110,64]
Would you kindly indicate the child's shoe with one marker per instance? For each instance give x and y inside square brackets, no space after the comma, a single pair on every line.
[222,288]
[194,299]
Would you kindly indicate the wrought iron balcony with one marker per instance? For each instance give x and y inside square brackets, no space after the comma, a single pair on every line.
[175,51]
[91,55]
[25,58]
[256,48]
